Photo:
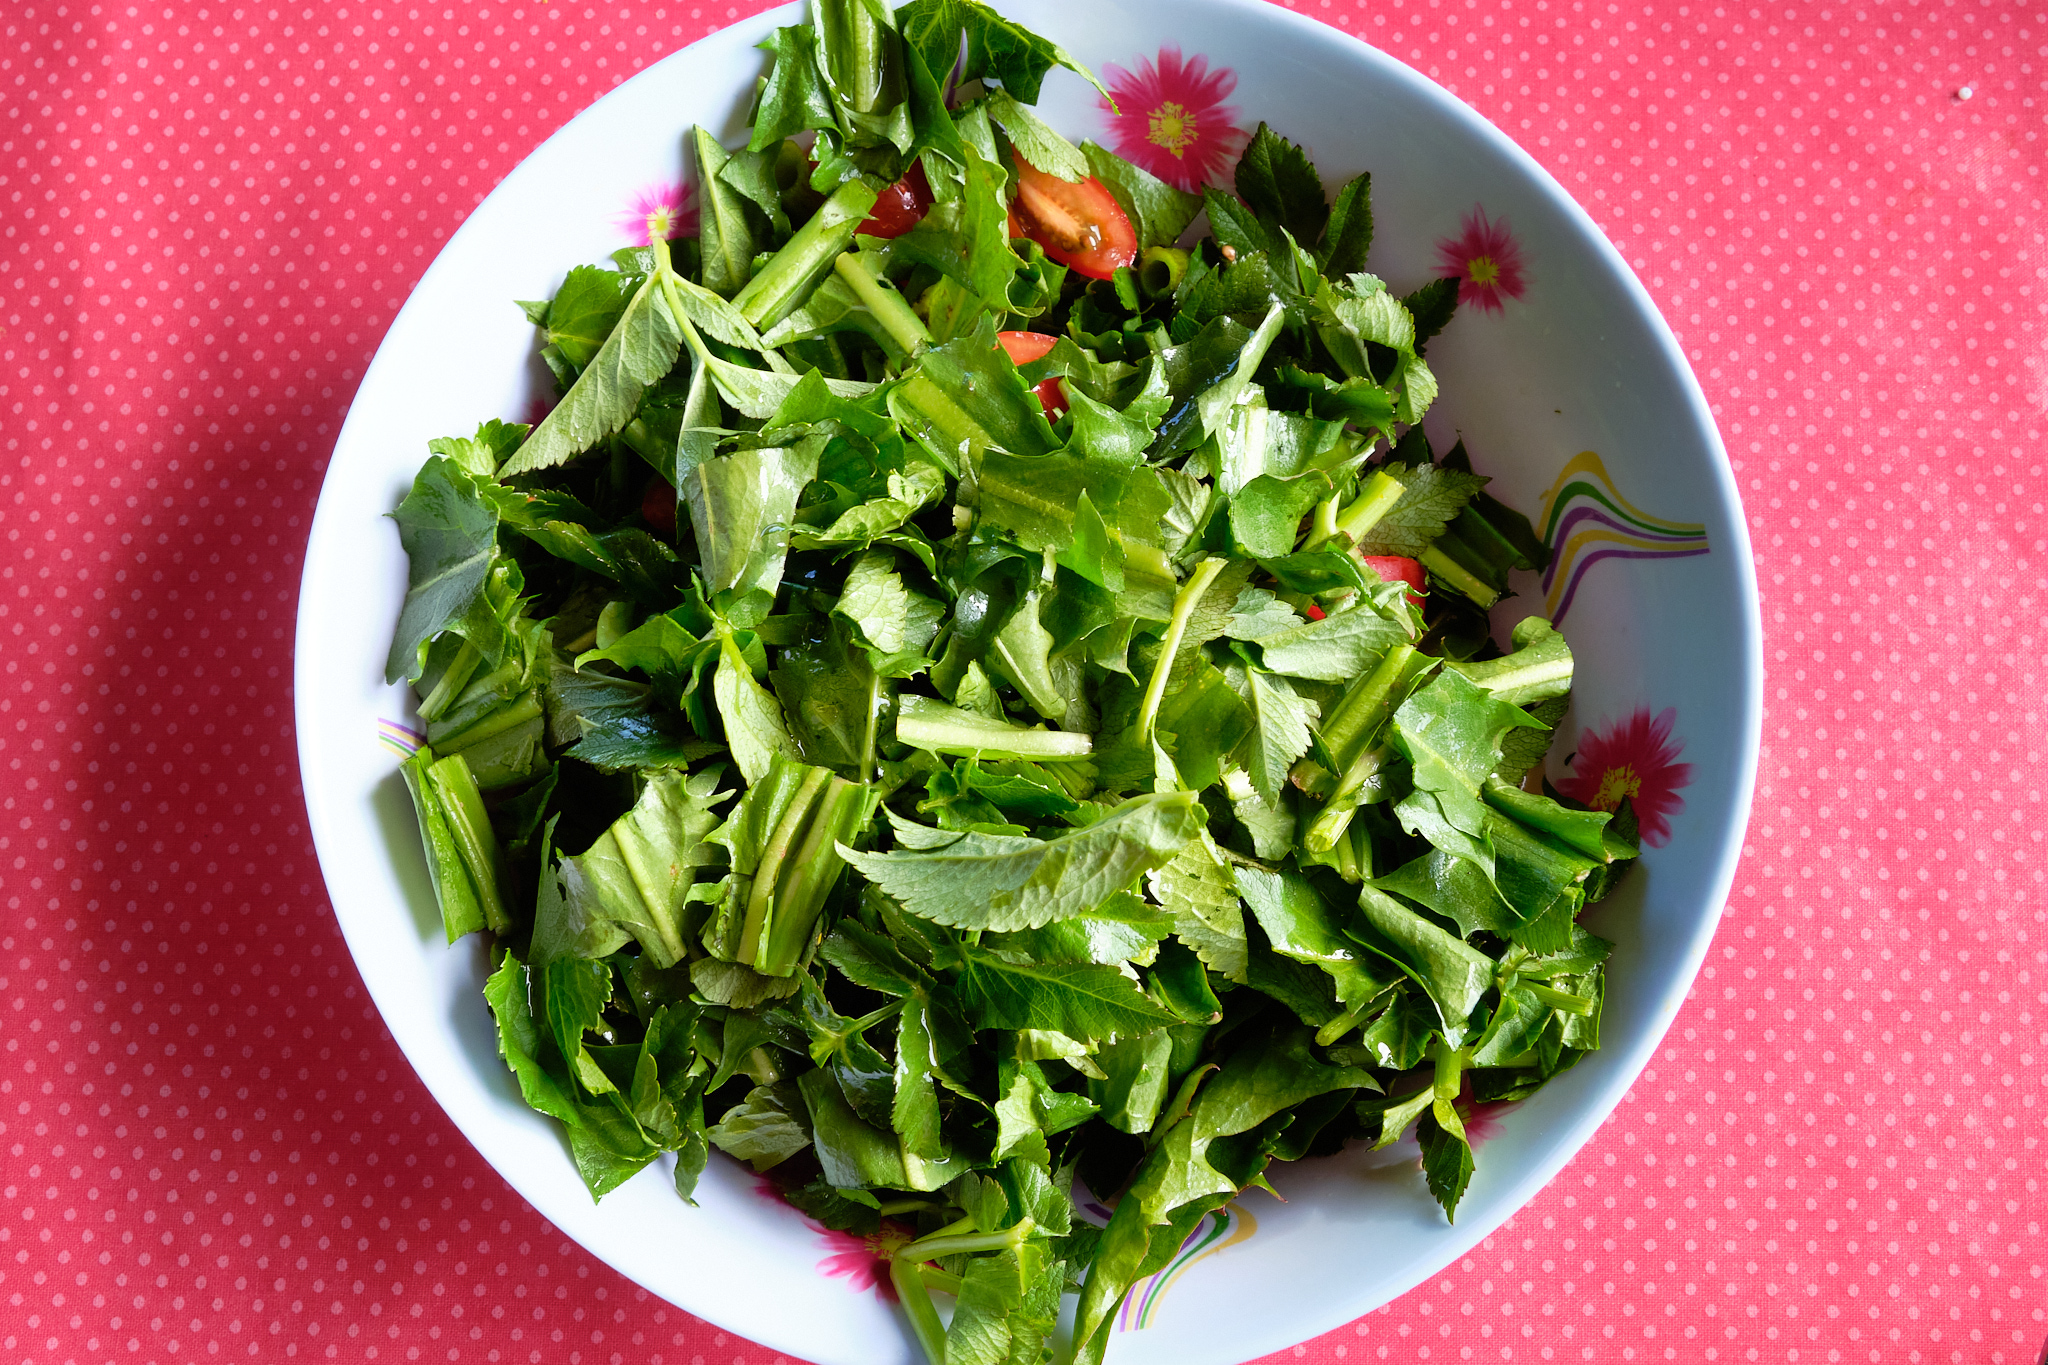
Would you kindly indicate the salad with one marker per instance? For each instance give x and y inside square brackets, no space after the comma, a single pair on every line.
[978,698]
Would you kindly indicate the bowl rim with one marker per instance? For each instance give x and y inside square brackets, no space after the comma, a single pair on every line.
[1267,1333]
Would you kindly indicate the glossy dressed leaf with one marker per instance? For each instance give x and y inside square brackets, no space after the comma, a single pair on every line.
[742,507]
[765,1129]
[1280,725]
[1454,974]
[1338,648]
[984,881]
[1280,184]
[754,729]
[1449,731]
[1301,925]
[1078,999]
[1446,1164]
[1431,305]
[586,309]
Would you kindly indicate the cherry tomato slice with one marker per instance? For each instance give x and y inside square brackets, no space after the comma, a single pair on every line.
[901,207]
[1079,224]
[658,505]
[1398,569]
[1025,347]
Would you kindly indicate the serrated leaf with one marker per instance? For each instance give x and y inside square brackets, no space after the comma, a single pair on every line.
[1278,181]
[1431,495]
[1199,890]
[1005,882]
[642,347]
[1281,718]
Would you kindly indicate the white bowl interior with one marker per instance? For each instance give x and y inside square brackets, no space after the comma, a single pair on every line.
[1581,362]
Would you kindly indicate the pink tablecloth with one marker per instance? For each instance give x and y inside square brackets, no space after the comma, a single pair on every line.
[209,1147]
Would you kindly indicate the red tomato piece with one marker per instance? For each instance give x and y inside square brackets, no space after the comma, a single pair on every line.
[1025,347]
[658,505]
[1079,223]
[901,207]
[1398,569]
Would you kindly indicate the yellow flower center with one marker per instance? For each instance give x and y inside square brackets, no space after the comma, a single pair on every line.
[1482,270]
[1616,784]
[889,1239]
[1172,126]
[660,224]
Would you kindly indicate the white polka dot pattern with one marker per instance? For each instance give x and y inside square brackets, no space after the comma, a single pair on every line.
[209,1147]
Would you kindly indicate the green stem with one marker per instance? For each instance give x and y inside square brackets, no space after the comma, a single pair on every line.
[1559,1000]
[1178,1107]
[917,1306]
[807,877]
[768,872]
[874,724]
[453,680]
[1160,269]
[889,1208]
[961,1244]
[1374,500]
[496,722]
[1458,577]
[470,826]
[904,327]
[1325,524]
[945,1281]
[782,284]
[1450,1068]
[1366,706]
[1183,607]
[1345,1022]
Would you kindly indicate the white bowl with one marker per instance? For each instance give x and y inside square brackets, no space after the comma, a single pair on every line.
[1581,362]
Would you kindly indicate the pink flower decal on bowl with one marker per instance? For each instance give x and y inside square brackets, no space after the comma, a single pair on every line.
[666,210]
[1486,260]
[1636,758]
[1170,119]
[865,1260]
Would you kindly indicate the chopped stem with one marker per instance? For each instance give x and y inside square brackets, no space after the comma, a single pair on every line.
[496,722]
[1457,576]
[808,874]
[903,326]
[1325,524]
[874,723]
[1374,500]
[1183,607]
[1345,1022]
[1450,1068]
[1177,1108]
[940,1244]
[917,1306]
[1559,1000]
[754,929]
[470,826]
[1365,707]
[780,285]
[453,680]
[945,1281]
